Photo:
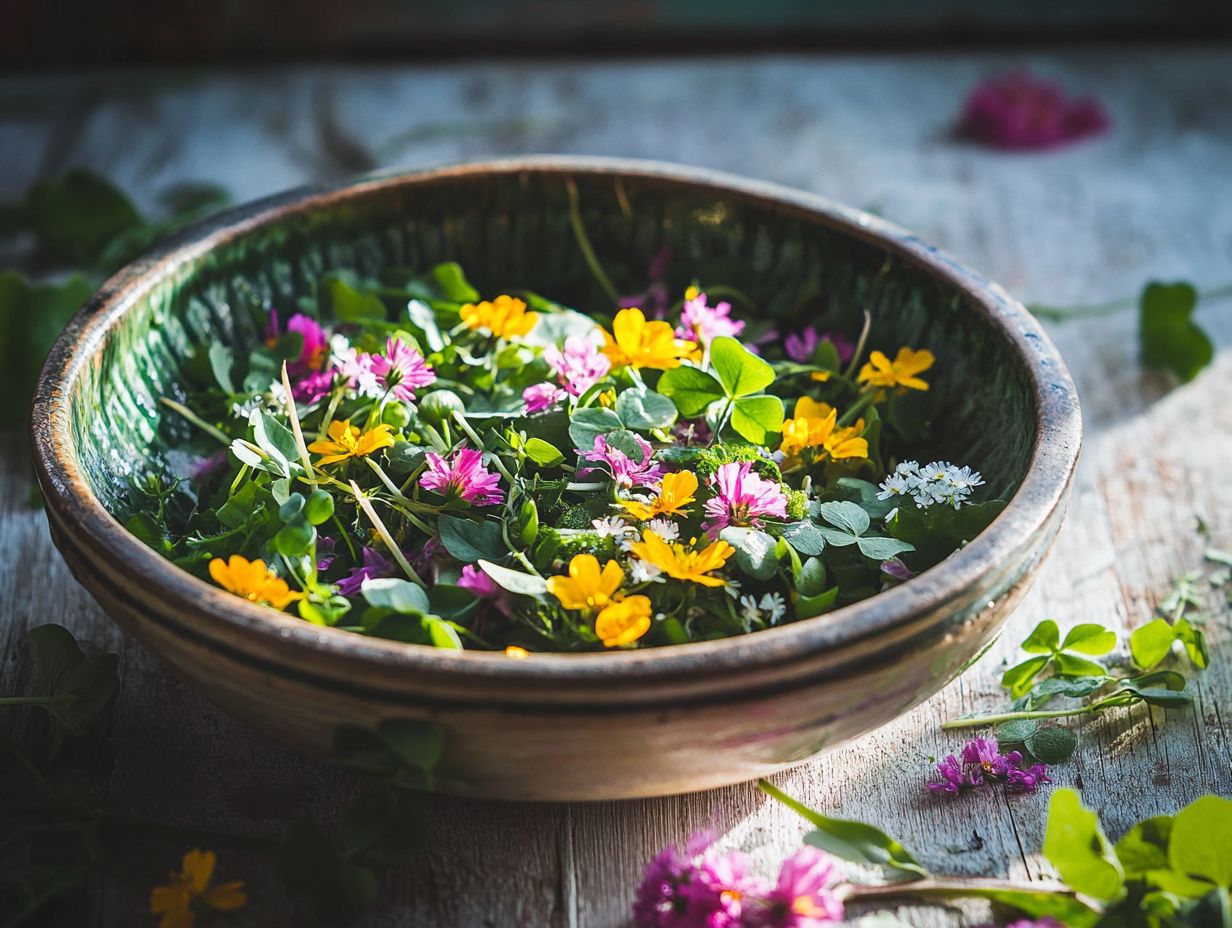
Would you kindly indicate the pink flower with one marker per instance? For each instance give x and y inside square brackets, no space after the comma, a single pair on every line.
[541,396]
[314,355]
[1019,111]
[356,367]
[462,477]
[801,346]
[1028,779]
[983,758]
[627,472]
[982,763]
[482,586]
[804,895]
[401,369]
[579,366]
[954,778]
[694,888]
[702,323]
[742,498]
[311,387]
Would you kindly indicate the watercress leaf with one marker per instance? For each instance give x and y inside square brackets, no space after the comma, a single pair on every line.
[515,581]
[1165,679]
[1044,639]
[1194,641]
[1161,696]
[319,507]
[756,417]
[1145,846]
[1016,731]
[804,537]
[445,281]
[845,515]
[741,372]
[1018,678]
[754,551]
[627,443]
[851,840]
[1200,844]
[293,541]
[1052,744]
[85,676]
[469,541]
[690,389]
[809,606]
[882,549]
[1089,638]
[543,453]
[1077,847]
[588,424]
[338,297]
[812,579]
[221,362]
[396,594]
[1213,910]
[1069,665]
[1151,643]
[645,409]
[1168,338]
[442,634]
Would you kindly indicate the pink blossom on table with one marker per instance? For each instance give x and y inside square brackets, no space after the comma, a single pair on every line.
[481,586]
[541,397]
[375,565]
[702,323]
[625,471]
[1020,111]
[742,497]
[802,346]
[696,887]
[1046,922]
[401,369]
[1029,779]
[804,895]
[954,779]
[579,365]
[463,477]
[982,763]
[982,756]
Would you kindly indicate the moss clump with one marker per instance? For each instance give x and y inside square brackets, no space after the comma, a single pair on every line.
[554,549]
[705,461]
[797,505]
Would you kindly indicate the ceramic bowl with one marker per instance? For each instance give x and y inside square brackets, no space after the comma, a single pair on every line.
[561,726]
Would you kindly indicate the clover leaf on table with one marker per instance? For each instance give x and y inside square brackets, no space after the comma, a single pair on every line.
[1063,657]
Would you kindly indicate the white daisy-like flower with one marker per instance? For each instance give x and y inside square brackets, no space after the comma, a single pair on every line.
[666,529]
[644,572]
[774,605]
[244,410]
[748,609]
[964,478]
[897,484]
[610,527]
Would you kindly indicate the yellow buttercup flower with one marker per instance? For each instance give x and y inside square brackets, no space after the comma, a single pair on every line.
[815,425]
[516,652]
[675,492]
[253,581]
[682,561]
[587,587]
[623,622]
[880,371]
[349,441]
[634,342]
[504,317]
[177,902]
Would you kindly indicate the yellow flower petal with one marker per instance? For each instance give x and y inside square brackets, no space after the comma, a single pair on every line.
[623,622]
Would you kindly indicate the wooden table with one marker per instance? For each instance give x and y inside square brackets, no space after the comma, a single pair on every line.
[1151,199]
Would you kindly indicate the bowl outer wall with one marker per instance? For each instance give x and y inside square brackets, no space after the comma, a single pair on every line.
[211,636]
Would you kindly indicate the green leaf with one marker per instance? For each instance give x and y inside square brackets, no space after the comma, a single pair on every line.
[588,424]
[1195,643]
[442,634]
[845,515]
[1077,847]
[86,677]
[339,298]
[809,606]
[515,581]
[882,549]
[1062,908]
[398,595]
[543,453]
[471,541]
[1151,643]
[804,537]
[645,409]
[1145,846]
[756,417]
[851,840]
[754,551]
[445,281]
[1200,845]
[422,317]
[74,217]
[1052,744]
[1068,665]
[741,372]
[274,438]
[812,579]
[1044,639]
[690,389]
[1089,638]
[1018,678]
[1016,731]
[1168,338]
[221,363]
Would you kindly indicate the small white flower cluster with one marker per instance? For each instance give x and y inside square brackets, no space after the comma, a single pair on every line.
[770,609]
[625,535]
[272,401]
[937,483]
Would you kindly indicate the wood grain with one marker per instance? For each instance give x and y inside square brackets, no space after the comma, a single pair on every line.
[1085,224]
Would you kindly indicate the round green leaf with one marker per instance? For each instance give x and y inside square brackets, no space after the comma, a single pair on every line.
[645,409]
[690,389]
[1052,744]
[757,417]
[741,372]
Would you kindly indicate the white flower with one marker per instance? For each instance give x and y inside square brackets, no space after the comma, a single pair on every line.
[964,478]
[897,484]
[938,482]
[610,527]
[244,410]
[773,604]
[749,610]
[644,572]
[666,529]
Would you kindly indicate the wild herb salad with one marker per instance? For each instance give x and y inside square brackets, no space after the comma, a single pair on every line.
[415,462]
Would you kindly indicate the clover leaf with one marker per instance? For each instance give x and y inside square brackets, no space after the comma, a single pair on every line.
[741,372]
[1151,643]
[1063,656]
[733,396]
[847,524]
[692,390]
[755,551]
[645,409]
[1168,338]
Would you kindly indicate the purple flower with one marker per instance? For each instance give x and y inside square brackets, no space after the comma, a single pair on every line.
[982,762]
[541,396]
[1046,922]
[703,324]
[802,346]
[1019,111]
[954,778]
[692,432]
[311,387]
[481,586]
[804,895]
[208,466]
[314,354]
[694,888]
[742,498]
[896,570]
[375,565]
[624,470]
[1027,780]
[654,298]
[579,365]
[325,553]
[982,754]
[462,477]
[401,369]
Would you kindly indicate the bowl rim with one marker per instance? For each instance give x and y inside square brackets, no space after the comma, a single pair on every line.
[71,501]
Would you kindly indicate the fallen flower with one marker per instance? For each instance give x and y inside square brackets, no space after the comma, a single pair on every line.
[1020,111]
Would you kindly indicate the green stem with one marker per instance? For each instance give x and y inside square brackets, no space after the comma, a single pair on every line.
[1095,310]
[855,409]
[588,253]
[860,343]
[951,889]
[195,419]
[981,720]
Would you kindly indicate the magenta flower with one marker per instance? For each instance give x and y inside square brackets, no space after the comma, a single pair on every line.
[896,571]
[208,466]
[624,470]
[702,323]
[982,762]
[375,565]
[804,896]
[742,498]
[481,586]
[462,477]
[312,387]
[542,396]
[314,354]
[953,778]
[1027,780]
[325,553]
[694,888]
[1019,111]
[983,759]
[401,369]
[801,346]
[579,366]
[692,432]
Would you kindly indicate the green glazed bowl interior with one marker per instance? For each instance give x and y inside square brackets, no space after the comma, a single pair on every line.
[1002,401]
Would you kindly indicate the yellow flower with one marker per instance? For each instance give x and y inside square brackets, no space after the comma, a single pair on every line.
[880,371]
[252,580]
[638,343]
[675,493]
[516,653]
[504,317]
[681,561]
[623,622]
[815,425]
[587,588]
[348,441]
[176,902]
